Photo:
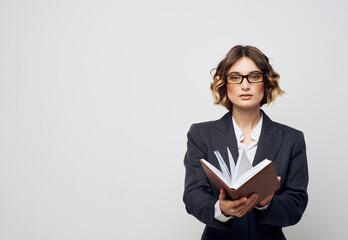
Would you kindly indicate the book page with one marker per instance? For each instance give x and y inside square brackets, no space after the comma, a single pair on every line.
[225,179]
[243,165]
[232,164]
[223,165]
[249,174]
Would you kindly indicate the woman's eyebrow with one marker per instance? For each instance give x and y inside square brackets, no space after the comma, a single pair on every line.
[234,72]
[255,71]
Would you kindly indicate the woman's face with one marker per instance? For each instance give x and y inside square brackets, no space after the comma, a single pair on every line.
[246,95]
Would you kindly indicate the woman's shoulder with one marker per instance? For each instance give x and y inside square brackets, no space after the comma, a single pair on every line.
[206,125]
[289,131]
[286,127]
[201,127]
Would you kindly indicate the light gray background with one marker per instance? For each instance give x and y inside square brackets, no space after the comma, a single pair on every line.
[97,97]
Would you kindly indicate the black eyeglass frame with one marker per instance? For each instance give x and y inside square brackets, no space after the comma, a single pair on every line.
[244,76]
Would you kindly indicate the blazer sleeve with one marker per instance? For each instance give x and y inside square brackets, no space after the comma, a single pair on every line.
[198,194]
[290,201]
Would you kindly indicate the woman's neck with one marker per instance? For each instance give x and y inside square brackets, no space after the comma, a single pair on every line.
[246,119]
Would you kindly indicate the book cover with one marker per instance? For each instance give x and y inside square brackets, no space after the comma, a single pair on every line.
[263,181]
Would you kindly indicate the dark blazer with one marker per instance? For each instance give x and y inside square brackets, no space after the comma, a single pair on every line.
[283,145]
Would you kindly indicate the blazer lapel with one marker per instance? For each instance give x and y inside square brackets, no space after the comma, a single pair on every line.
[223,136]
[269,141]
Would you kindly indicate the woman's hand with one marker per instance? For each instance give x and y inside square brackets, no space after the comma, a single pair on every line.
[237,207]
[267,200]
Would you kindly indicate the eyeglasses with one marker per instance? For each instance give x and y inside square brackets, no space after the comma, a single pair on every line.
[233,78]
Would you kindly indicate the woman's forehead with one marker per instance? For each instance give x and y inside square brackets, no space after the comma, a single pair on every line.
[244,65]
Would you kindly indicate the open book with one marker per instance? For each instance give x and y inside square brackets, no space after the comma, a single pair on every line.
[242,179]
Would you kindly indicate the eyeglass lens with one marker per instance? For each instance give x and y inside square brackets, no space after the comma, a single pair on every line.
[252,78]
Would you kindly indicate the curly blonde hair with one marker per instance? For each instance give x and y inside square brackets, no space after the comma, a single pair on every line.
[271,77]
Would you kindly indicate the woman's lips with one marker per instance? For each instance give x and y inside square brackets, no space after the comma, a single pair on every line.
[245,96]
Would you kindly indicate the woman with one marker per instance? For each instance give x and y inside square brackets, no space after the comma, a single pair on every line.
[243,82]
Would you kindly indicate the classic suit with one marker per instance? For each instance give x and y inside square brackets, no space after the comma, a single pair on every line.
[283,145]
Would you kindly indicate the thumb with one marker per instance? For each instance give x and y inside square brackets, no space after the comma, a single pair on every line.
[222,195]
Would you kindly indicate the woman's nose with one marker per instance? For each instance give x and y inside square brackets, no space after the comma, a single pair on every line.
[245,84]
